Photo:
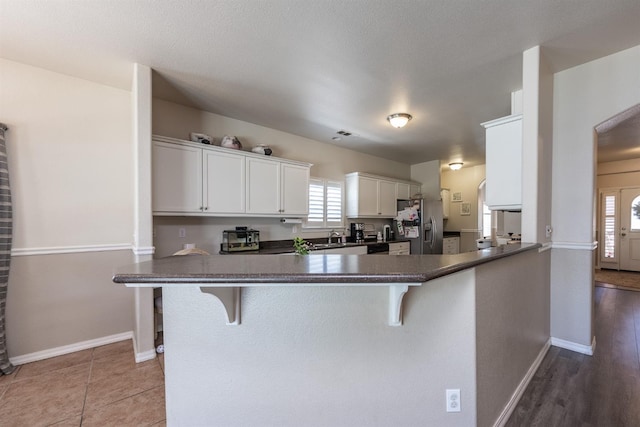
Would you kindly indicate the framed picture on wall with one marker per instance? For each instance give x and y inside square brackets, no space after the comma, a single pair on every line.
[456,197]
[465,209]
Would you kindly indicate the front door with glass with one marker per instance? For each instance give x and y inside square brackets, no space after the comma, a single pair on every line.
[630,229]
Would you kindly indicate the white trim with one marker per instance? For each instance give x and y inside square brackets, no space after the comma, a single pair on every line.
[545,247]
[144,355]
[578,348]
[586,246]
[141,250]
[517,394]
[501,120]
[71,348]
[70,249]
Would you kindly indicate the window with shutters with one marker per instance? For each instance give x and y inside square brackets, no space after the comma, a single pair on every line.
[609,226]
[325,204]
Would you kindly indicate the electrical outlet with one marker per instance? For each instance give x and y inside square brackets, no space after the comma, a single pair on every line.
[453,400]
[182,232]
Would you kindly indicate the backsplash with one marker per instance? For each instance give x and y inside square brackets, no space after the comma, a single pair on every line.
[206,232]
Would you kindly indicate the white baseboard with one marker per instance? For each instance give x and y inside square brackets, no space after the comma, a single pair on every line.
[143,356]
[578,348]
[517,394]
[71,348]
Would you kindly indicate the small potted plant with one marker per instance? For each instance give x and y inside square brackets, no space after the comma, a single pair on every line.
[301,246]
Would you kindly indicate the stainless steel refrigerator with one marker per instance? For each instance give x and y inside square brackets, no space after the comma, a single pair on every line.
[422,224]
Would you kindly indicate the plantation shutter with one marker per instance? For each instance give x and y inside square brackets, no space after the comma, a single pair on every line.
[609,204]
[316,203]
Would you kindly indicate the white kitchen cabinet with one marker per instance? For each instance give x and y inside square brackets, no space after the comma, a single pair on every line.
[177,178]
[403,190]
[295,189]
[451,245]
[196,179]
[504,163]
[370,196]
[362,197]
[263,187]
[387,201]
[277,188]
[400,248]
[224,182]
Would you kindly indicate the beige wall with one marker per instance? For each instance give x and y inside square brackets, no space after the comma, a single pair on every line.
[512,306]
[625,173]
[64,299]
[70,160]
[465,181]
[69,144]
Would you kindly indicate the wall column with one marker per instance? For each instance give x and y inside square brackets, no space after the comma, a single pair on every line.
[143,222]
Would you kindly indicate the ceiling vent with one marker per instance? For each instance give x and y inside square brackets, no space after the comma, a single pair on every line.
[343,133]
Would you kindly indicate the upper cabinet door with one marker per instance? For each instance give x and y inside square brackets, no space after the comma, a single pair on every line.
[403,190]
[367,197]
[504,163]
[387,205]
[177,178]
[263,187]
[224,177]
[295,189]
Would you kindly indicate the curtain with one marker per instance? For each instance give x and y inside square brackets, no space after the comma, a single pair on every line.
[6,231]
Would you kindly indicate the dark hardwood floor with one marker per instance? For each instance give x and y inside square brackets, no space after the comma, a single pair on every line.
[571,389]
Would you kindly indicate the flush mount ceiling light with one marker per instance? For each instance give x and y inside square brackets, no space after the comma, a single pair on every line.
[398,120]
[455,166]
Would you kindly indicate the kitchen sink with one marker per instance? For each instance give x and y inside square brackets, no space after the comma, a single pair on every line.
[318,246]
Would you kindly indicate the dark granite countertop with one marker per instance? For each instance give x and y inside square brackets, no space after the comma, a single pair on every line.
[249,270]
[286,246]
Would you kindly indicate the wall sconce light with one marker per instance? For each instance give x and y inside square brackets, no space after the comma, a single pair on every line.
[399,120]
[455,166]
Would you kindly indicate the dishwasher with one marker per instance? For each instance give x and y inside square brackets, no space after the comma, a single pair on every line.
[378,248]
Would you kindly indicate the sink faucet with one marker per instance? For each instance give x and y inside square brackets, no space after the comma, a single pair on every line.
[333,233]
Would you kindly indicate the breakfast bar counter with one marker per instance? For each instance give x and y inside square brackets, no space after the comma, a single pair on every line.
[266,270]
[345,340]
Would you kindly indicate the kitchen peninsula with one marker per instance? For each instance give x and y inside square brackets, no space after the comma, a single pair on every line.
[310,340]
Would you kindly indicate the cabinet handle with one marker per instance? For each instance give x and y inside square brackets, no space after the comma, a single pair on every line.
[200,207]
[206,208]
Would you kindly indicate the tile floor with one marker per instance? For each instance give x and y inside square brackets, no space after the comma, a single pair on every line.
[102,386]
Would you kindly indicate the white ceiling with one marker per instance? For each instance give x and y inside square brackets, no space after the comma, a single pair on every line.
[313,67]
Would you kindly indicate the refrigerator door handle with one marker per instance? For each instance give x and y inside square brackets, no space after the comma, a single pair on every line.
[434,230]
[426,229]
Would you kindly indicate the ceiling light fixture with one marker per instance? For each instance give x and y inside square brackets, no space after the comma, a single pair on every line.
[399,120]
[455,166]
